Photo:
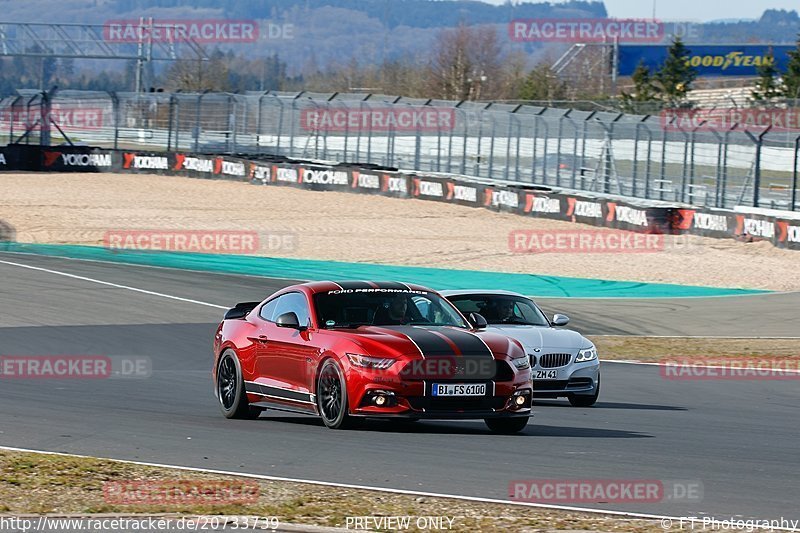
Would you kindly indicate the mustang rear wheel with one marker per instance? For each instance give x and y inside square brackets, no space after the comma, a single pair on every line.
[332,396]
[230,388]
[507,425]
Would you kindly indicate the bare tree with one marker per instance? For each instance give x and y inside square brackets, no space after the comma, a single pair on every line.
[195,74]
[466,63]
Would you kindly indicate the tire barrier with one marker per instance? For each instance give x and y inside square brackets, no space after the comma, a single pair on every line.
[746,224]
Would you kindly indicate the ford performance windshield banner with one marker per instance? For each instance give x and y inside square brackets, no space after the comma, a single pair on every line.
[708,60]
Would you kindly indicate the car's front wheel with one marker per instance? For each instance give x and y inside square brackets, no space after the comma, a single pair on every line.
[586,401]
[332,396]
[230,388]
[507,426]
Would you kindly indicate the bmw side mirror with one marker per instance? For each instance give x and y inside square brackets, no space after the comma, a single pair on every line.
[290,320]
[477,321]
[560,320]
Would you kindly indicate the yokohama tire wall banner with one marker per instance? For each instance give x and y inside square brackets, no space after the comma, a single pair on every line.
[526,200]
[787,233]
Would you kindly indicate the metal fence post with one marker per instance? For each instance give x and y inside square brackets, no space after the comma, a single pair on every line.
[794,173]
[759,142]
[417,147]
[115,114]
[197,121]
[517,141]
[560,136]
[11,121]
[511,118]
[724,186]
[170,119]
[231,138]
[369,137]
[491,144]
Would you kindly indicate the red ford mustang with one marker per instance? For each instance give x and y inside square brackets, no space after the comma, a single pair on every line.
[355,349]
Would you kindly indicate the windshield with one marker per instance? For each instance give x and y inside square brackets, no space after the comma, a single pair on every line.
[501,309]
[351,308]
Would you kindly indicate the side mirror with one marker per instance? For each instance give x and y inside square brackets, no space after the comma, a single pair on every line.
[289,320]
[477,321]
[560,320]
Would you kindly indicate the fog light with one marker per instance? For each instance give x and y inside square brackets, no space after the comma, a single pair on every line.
[380,400]
[520,401]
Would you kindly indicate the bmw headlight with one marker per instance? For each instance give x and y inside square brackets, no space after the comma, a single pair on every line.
[522,363]
[587,354]
[363,361]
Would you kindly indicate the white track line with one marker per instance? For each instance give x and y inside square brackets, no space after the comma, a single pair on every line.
[643,516]
[138,265]
[681,363]
[115,285]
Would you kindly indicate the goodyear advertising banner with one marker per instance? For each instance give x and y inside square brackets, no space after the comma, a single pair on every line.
[708,60]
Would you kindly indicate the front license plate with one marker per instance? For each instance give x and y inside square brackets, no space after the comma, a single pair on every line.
[459,389]
[545,374]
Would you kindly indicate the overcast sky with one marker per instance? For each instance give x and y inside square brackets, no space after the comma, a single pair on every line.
[698,10]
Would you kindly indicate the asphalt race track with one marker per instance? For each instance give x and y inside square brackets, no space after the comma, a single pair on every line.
[737,438]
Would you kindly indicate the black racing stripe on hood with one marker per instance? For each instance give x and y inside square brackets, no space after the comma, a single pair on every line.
[429,343]
[355,285]
[469,344]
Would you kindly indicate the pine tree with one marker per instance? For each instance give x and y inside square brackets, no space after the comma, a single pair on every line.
[676,75]
[644,90]
[542,84]
[791,78]
[768,85]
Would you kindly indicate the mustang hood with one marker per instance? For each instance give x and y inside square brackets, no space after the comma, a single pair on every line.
[432,341]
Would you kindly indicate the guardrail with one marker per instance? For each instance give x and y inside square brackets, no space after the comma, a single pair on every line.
[650,157]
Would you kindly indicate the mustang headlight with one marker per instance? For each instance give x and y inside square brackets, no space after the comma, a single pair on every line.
[363,361]
[587,354]
[522,363]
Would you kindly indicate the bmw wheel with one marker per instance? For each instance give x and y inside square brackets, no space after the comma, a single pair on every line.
[577,400]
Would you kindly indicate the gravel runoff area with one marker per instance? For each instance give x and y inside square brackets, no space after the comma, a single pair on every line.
[82,208]
[58,485]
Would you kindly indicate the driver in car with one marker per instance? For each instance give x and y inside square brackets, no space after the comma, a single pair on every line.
[394,312]
[503,310]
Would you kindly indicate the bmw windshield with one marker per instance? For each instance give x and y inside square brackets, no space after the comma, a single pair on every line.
[351,308]
[500,309]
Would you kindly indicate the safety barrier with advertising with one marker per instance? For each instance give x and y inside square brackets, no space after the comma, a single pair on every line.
[631,214]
